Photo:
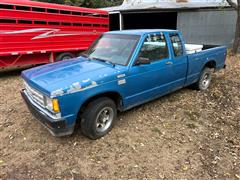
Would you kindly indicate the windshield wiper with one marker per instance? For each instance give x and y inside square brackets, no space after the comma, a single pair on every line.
[103,60]
[84,55]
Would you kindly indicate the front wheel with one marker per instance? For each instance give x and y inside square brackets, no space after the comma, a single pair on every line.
[204,80]
[98,118]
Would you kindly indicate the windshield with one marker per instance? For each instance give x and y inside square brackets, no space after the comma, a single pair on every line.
[114,49]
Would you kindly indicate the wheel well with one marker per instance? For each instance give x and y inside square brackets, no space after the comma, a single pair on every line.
[211,64]
[116,97]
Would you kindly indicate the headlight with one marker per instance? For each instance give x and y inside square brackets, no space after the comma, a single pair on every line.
[52,105]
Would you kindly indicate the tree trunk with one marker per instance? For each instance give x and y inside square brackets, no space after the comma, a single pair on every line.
[237,34]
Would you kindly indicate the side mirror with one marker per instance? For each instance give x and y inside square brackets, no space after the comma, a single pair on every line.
[142,60]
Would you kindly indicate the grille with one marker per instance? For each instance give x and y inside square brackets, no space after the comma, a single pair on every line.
[35,95]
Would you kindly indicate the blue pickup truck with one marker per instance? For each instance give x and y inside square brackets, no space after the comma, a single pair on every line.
[121,69]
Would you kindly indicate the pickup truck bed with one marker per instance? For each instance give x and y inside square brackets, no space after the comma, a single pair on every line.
[198,59]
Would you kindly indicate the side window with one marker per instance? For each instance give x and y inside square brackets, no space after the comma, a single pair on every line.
[177,45]
[154,47]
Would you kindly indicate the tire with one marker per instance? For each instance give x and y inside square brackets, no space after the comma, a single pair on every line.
[98,118]
[204,80]
[64,56]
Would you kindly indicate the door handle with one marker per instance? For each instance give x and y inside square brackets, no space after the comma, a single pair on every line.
[169,63]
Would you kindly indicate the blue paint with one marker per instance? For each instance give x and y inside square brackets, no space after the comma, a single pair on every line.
[74,81]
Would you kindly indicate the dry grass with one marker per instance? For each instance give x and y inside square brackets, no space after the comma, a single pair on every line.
[185,135]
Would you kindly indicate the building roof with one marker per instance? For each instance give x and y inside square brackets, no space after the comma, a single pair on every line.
[131,5]
[140,32]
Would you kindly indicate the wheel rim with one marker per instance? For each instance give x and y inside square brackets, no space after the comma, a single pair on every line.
[206,81]
[104,119]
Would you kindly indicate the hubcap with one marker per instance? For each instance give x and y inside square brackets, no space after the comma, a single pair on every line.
[104,119]
[206,81]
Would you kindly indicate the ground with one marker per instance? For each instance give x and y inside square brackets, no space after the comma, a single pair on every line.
[186,135]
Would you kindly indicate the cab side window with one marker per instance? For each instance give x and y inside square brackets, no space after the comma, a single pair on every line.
[154,47]
[177,45]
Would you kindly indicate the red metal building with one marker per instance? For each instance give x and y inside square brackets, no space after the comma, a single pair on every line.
[36,33]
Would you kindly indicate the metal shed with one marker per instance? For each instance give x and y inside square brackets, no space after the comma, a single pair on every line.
[210,22]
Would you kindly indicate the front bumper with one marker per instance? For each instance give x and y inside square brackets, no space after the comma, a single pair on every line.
[57,127]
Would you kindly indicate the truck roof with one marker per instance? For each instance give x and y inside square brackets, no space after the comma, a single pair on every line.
[141,31]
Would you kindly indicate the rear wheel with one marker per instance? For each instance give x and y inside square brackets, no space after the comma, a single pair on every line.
[204,80]
[64,56]
[98,118]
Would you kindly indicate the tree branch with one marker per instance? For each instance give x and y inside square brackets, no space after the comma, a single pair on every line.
[233,4]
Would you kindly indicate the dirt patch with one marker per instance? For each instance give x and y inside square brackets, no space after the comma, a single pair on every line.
[185,135]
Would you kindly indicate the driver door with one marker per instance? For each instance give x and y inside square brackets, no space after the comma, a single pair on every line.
[148,81]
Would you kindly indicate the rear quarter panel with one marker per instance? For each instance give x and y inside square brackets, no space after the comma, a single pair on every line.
[198,61]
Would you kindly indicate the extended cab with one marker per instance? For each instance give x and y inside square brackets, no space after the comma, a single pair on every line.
[122,69]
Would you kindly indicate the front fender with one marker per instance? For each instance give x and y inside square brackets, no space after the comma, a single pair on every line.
[70,104]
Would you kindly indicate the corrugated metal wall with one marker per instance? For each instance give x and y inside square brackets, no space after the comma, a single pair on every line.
[215,27]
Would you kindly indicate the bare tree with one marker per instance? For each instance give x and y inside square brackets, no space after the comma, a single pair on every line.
[236,43]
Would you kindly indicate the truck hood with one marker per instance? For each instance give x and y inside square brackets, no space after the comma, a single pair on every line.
[54,79]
